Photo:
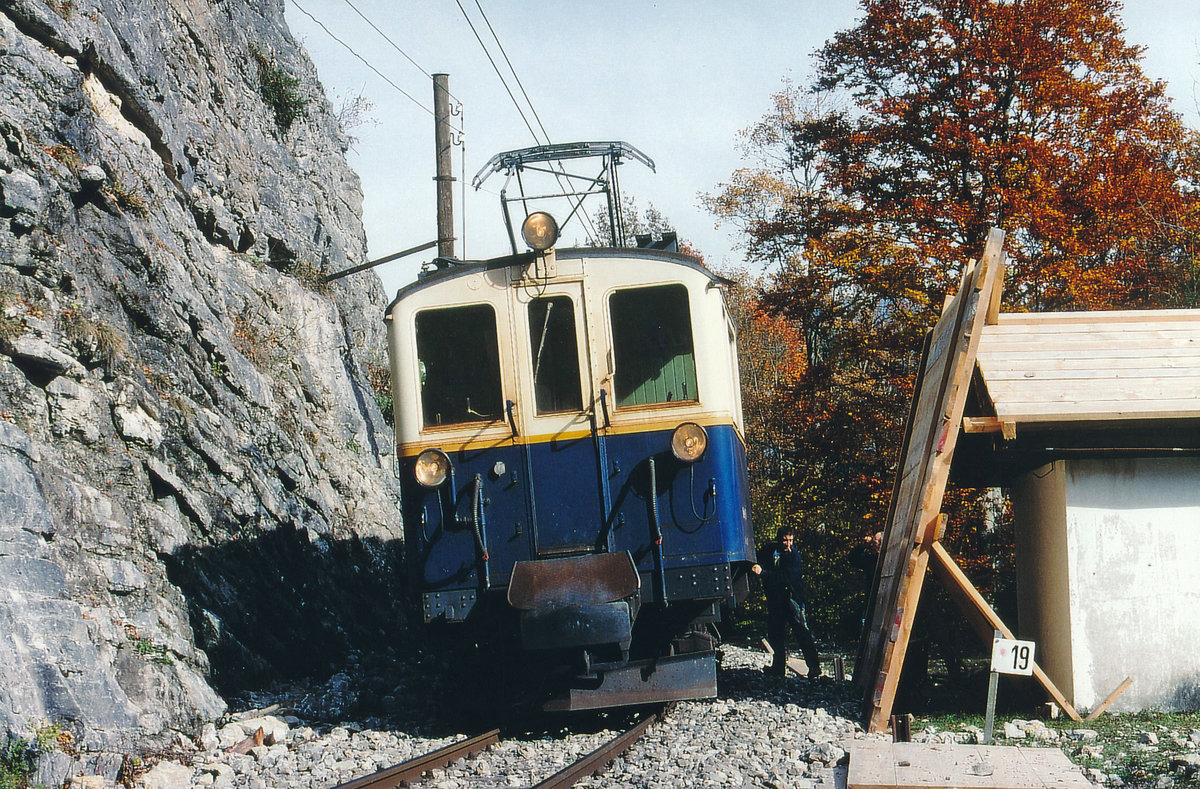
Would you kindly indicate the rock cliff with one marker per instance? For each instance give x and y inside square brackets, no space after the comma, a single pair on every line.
[196,493]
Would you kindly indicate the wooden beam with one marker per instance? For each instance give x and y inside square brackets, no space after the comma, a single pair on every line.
[1124,686]
[933,531]
[993,307]
[984,618]
[981,424]
[795,664]
[1114,316]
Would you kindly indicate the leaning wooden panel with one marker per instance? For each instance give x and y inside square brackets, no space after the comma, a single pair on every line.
[861,679]
[911,472]
[924,466]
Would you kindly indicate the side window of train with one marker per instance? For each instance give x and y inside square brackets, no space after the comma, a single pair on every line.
[652,345]
[555,355]
[459,359]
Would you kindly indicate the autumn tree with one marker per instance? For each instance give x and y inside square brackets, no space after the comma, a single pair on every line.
[1033,115]
[927,123]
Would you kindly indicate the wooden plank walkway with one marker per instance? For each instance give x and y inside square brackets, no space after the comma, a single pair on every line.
[911,765]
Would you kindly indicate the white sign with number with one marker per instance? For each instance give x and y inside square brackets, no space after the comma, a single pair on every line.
[1010,656]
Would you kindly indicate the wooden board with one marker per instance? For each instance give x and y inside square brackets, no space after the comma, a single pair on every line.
[983,617]
[1113,316]
[924,465]
[910,765]
[1094,366]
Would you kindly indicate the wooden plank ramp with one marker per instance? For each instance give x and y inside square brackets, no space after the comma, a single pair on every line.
[913,765]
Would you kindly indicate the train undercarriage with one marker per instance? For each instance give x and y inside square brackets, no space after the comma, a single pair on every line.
[581,633]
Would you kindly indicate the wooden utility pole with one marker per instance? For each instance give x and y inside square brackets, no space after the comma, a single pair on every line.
[444,177]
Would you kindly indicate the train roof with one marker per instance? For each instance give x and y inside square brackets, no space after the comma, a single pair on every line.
[463,268]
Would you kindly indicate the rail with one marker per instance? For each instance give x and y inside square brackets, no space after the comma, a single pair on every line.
[408,772]
[413,770]
[598,759]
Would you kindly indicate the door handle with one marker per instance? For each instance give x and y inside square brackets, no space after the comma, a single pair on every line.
[604,408]
[512,420]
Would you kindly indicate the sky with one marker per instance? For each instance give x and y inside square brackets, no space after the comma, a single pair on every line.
[677,80]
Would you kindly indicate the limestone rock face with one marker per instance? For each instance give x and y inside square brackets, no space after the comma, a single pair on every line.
[195,478]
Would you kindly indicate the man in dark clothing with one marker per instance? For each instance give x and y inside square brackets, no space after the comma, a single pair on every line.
[783,582]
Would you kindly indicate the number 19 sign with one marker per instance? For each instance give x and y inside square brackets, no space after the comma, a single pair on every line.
[1010,656]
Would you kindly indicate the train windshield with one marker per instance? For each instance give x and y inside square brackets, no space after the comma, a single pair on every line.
[555,355]
[459,362]
[652,345]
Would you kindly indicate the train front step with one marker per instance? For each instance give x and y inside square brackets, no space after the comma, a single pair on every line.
[674,678]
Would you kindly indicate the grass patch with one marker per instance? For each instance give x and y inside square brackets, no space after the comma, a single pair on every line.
[1138,748]
[65,154]
[146,648]
[125,198]
[379,376]
[11,327]
[17,760]
[19,755]
[93,339]
[279,89]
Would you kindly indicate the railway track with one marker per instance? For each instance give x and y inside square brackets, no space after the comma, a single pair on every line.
[413,770]
[600,758]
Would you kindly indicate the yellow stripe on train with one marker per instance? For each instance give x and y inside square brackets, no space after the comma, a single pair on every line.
[498,434]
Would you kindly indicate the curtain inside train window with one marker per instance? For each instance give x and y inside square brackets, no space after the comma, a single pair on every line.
[459,359]
[653,355]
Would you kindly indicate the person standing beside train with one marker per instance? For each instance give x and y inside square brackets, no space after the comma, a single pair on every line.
[783,581]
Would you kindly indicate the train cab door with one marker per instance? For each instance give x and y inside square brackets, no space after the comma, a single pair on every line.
[551,331]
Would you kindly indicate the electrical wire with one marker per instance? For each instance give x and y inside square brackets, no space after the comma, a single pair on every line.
[591,230]
[367,63]
[460,112]
[508,62]
[503,81]
[395,46]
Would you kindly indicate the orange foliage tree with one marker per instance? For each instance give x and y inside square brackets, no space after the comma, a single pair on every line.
[927,123]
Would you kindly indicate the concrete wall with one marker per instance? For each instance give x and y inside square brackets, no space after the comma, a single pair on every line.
[1124,584]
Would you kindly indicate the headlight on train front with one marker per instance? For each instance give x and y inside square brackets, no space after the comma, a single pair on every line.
[432,468]
[540,231]
[689,442]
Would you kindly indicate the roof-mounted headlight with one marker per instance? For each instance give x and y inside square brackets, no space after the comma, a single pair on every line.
[540,231]
[432,468]
[688,442]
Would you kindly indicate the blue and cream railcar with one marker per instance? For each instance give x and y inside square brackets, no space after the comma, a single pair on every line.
[572,464]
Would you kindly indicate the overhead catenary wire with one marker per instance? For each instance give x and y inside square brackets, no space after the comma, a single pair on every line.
[366,62]
[459,109]
[593,233]
[503,81]
[590,228]
[396,46]
[508,62]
